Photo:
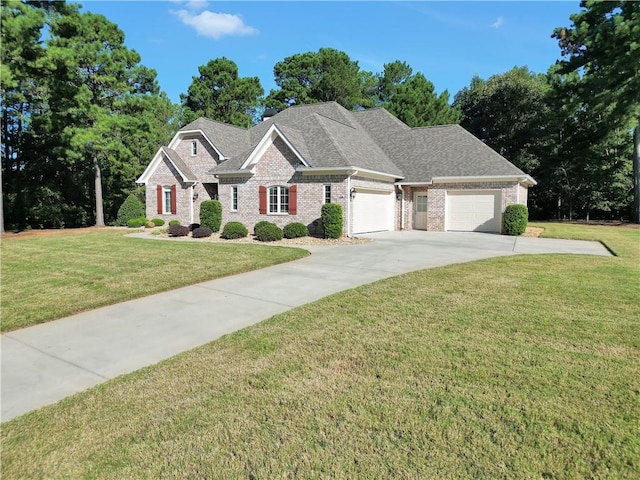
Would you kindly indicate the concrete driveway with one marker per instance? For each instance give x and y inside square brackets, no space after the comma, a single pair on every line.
[45,363]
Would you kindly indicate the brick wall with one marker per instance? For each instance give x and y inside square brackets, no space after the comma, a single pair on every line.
[277,167]
[436,199]
[166,174]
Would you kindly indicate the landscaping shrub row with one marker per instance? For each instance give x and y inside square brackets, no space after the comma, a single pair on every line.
[131,213]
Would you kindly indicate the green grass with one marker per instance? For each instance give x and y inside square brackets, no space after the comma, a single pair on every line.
[514,367]
[49,277]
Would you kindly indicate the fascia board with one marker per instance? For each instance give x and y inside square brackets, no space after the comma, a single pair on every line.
[144,178]
[266,141]
[181,133]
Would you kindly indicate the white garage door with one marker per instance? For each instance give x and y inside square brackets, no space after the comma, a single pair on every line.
[373,211]
[474,211]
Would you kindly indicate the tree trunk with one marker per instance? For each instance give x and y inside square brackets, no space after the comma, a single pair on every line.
[98,187]
[1,203]
[636,174]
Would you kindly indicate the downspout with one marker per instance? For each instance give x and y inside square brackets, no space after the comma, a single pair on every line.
[402,208]
[349,206]
[191,203]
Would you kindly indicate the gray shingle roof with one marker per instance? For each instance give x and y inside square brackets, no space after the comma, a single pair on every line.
[445,151]
[327,135]
[179,164]
[228,139]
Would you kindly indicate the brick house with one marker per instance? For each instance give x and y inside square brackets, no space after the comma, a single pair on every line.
[384,174]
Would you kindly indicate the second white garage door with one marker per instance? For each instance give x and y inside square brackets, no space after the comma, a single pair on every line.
[373,211]
[474,211]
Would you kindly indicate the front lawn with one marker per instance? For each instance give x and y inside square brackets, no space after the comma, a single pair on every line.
[52,276]
[513,367]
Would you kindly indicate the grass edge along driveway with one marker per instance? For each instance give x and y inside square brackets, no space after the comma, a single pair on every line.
[513,367]
[46,277]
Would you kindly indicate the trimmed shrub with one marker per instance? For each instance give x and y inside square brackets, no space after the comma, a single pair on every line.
[158,222]
[201,232]
[150,224]
[174,222]
[131,208]
[234,230]
[269,233]
[514,220]
[295,230]
[136,222]
[259,225]
[193,226]
[178,231]
[331,217]
[211,214]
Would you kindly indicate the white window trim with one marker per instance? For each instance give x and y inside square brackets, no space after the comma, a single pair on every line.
[194,148]
[234,199]
[166,194]
[279,198]
[324,192]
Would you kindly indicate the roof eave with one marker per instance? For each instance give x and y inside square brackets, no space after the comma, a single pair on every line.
[523,179]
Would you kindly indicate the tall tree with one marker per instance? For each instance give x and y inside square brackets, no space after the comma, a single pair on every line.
[220,94]
[416,103]
[508,113]
[94,75]
[602,43]
[322,76]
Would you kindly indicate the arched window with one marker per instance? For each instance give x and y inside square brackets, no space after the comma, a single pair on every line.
[278,199]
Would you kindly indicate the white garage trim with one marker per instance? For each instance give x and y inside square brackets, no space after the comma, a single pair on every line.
[373,210]
[473,210]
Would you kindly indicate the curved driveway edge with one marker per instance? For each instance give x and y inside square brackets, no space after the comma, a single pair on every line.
[45,363]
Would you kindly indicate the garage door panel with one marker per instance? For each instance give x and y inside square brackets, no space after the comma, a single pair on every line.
[474,211]
[373,211]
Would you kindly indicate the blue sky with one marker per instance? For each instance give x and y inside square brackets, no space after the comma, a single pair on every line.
[448,42]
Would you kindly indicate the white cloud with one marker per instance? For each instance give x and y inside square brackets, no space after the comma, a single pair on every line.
[196,5]
[498,23]
[214,25]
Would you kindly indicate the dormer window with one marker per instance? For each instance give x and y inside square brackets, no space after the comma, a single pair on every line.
[194,148]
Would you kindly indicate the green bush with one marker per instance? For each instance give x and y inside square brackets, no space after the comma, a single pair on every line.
[211,214]
[131,208]
[295,230]
[514,220]
[136,222]
[201,232]
[259,225]
[158,222]
[174,222]
[234,230]
[269,233]
[331,217]
[178,231]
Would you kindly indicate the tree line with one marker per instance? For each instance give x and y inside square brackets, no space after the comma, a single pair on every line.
[81,116]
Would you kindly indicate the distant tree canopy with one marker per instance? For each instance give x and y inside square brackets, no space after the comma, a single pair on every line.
[218,93]
[81,115]
[603,45]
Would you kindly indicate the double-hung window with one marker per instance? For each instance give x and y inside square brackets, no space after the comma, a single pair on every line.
[278,199]
[326,193]
[194,148]
[234,199]
[166,199]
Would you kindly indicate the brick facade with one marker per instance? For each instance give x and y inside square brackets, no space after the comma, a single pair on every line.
[277,167]
[188,198]
[511,192]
